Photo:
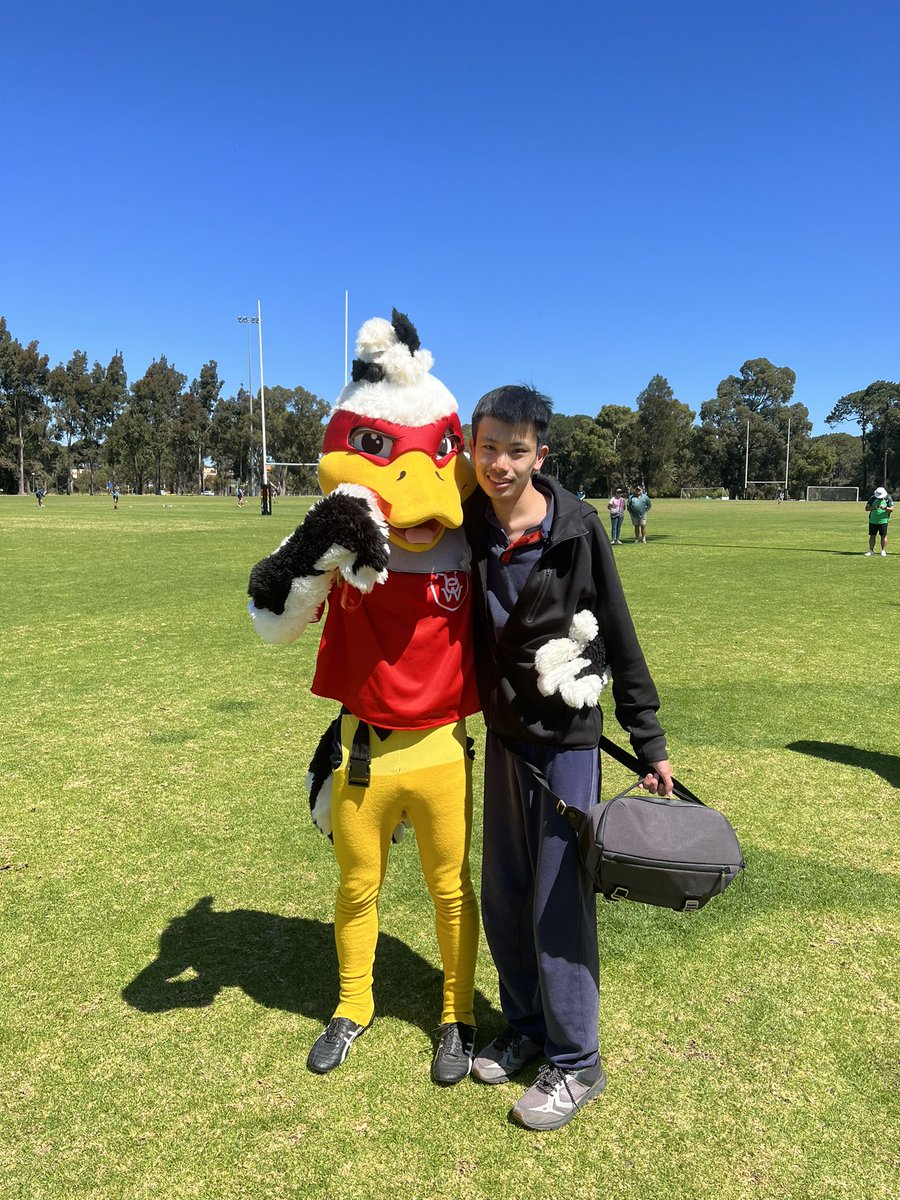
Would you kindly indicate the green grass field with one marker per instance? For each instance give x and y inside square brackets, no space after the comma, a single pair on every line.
[165,905]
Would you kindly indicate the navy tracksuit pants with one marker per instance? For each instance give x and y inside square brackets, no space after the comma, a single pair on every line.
[537,904]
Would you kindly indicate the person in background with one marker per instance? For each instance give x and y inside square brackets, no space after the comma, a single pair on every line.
[580,494]
[879,506]
[616,508]
[638,506]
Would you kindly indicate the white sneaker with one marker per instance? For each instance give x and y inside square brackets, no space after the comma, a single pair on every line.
[884,554]
[869,553]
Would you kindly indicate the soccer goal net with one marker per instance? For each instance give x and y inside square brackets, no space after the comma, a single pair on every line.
[704,493]
[821,492]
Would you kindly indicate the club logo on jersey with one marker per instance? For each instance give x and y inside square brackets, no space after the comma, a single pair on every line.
[449,589]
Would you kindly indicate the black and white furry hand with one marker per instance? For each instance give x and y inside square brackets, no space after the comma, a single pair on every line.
[561,664]
[343,531]
[343,534]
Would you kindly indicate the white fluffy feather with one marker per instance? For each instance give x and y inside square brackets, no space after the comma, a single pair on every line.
[585,691]
[584,627]
[307,594]
[375,336]
[321,810]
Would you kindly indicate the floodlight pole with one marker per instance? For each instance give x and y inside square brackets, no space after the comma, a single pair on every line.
[747,459]
[265,493]
[262,392]
[248,321]
[346,322]
[787,461]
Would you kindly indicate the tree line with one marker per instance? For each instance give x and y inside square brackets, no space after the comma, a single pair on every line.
[77,426]
[661,443]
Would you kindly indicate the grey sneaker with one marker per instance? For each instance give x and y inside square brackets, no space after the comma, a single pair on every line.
[504,1057]
[556,1096]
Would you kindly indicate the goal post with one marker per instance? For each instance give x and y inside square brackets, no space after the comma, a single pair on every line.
[715,492]
[765,489]
[823,492]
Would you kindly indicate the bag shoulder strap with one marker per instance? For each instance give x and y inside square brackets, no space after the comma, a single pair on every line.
[575,816]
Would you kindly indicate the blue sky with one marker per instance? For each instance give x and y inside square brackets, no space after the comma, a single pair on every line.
[577,195]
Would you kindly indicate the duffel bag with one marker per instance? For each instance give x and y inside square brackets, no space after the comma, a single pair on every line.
[674,852]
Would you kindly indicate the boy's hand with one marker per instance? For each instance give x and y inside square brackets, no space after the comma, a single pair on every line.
[658,778]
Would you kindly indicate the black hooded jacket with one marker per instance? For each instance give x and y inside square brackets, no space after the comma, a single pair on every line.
[576,571]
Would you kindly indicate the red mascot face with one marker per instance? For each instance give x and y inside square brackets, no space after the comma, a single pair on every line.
[418,472]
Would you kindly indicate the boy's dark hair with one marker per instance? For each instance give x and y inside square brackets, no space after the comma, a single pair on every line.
[515,404]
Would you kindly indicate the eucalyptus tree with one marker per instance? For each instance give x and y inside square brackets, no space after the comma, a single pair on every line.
[67,388]
[876,409]
[155,399]
[229,438]
[759,397]
[620,424]
[664,427]
[192,421]
[23,382]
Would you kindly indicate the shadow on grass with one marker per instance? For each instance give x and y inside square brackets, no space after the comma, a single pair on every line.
[885,765]
[287,963]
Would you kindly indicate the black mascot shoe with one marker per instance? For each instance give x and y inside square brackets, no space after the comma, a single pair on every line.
[332,1046]
[454,1054]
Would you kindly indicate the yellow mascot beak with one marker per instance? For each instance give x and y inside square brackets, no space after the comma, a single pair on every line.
[419,499]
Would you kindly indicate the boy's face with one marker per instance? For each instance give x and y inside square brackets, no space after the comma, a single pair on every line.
[505,456]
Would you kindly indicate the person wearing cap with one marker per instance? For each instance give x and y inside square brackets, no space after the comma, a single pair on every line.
[638,506]
[616,508]
[879,506]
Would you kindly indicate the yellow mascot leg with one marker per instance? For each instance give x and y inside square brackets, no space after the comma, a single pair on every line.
[425,775]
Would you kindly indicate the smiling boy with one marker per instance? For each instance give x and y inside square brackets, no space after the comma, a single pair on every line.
[543,572]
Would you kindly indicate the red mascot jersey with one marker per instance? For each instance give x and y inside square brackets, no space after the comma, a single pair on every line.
[411,673]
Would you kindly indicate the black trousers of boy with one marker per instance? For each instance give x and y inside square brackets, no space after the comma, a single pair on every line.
[537,903]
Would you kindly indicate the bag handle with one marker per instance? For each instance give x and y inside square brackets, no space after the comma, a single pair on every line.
[628,760]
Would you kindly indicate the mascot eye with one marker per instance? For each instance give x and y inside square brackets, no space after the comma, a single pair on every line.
[371,442]
[450,444]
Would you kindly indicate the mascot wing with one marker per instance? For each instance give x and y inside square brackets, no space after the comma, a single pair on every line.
[343,536]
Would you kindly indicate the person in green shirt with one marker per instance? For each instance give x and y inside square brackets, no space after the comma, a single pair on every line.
[638,507]
[879,506]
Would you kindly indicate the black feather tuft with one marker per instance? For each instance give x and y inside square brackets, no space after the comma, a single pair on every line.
[595,652]
[365,371]
[405,330]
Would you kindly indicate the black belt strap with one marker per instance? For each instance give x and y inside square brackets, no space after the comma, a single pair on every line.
[359,768]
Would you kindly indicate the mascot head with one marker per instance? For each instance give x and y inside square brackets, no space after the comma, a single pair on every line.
[395,430]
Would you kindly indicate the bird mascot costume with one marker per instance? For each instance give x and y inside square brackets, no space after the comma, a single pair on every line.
[384,551]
